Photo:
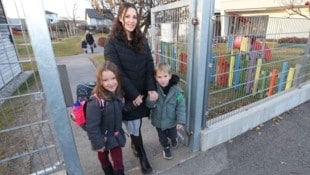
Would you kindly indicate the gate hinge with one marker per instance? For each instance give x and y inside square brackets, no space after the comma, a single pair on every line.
[195,21]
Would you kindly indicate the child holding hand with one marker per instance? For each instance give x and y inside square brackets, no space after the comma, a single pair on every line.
[168,112]
[104,119]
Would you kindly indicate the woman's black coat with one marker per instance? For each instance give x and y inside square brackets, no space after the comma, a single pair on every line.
[137,71]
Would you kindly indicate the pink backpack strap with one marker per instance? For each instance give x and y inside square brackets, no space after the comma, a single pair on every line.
[100,101]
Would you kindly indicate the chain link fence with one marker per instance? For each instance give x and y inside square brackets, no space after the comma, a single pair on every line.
[258,57]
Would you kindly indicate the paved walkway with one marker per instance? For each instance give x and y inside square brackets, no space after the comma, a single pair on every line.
[81,69]
[280,146]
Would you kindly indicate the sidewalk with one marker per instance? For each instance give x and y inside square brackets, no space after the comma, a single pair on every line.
[81,69]
[280,146]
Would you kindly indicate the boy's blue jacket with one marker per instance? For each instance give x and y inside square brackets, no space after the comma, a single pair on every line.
[168,110]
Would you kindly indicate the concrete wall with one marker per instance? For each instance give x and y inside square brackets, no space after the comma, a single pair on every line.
[252,116]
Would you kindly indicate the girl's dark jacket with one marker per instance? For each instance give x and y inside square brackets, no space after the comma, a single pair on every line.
[137,73]
[100,125]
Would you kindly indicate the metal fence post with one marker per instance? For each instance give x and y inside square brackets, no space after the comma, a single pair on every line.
[41,44]
[306,59]
[201,52]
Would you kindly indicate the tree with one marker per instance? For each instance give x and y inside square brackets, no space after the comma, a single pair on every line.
[294,7]
[70,23]
[74,11]
[143,7]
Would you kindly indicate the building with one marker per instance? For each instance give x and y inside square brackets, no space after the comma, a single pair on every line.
[96,21]
[51,17]
[261,17]
[9,66]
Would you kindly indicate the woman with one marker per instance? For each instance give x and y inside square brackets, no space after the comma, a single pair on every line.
[128,49]
[90,41]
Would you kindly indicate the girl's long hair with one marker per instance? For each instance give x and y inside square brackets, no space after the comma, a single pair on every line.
[99,90]
[138,40]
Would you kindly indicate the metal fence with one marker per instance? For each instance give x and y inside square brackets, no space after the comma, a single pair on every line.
[33,114]
[27,138]
[246,59]
[170,41]
[251,58]
[178,38]
[256,58]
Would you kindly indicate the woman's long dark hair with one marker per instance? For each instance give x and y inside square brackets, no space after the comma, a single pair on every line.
[138,40]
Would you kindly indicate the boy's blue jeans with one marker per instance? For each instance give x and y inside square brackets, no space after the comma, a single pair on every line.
[163,136]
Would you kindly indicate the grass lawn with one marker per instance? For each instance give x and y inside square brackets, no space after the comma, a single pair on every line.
[97,60]
[61,47]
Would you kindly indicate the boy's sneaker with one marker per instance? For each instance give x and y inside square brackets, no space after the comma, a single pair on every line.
[174,143]
[167,153]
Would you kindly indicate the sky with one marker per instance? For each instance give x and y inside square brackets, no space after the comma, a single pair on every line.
[63,8]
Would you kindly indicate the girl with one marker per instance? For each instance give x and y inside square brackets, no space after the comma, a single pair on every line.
[127,47]
[104,118]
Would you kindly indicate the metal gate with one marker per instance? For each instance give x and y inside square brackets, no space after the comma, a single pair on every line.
[35,133]
[31,138]
[180,34]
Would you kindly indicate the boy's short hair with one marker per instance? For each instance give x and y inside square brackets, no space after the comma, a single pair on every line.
[163,67]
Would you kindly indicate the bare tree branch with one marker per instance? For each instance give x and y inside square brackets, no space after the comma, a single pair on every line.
[293,7]
[143,7]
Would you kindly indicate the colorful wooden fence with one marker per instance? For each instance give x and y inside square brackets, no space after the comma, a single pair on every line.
[240,71]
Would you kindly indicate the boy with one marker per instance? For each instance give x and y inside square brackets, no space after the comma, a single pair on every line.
[168,112]
[84,45]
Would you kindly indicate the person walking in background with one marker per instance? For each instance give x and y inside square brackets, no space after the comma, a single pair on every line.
[90,40]
[168,112]
[127,47]
[104,126]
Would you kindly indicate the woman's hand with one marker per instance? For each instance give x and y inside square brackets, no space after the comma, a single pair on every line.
[153,95]
[138,101]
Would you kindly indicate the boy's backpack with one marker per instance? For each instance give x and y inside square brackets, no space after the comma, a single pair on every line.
[83,94]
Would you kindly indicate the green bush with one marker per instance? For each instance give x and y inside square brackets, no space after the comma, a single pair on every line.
[295,40]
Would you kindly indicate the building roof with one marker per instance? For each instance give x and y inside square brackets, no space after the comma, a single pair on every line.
[92,13]
[49,12]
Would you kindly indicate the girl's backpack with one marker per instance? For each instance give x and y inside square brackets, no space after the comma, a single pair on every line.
[78,110]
